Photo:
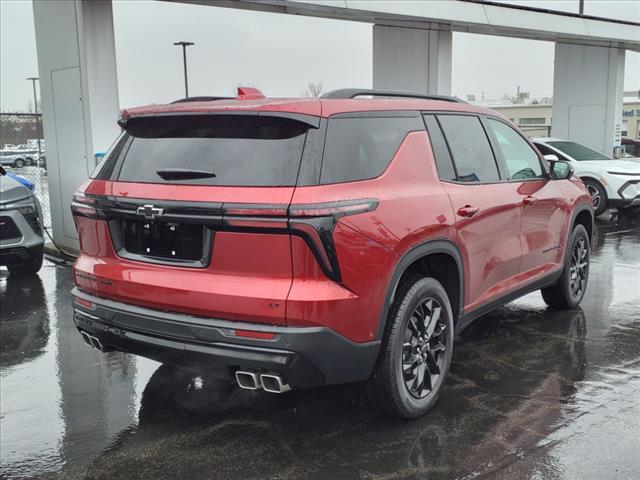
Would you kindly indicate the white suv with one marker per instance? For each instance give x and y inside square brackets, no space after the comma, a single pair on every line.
[611,183]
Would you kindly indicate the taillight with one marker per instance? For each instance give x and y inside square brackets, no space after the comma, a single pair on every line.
[333,209]
[84,206]
[313,222]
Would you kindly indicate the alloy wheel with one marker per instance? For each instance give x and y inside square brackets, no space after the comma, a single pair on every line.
[423,351]
[595,196]
[579,267]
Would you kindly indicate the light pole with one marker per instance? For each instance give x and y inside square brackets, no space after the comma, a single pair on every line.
[184,46]
[35,111]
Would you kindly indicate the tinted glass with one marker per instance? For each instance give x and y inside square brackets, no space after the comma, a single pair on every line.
[247,150]
[470,148]
[440,150]
[361,148]
[545,150]
[577,151]
[104,169]
[522,161]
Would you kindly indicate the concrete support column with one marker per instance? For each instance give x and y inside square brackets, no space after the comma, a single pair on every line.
[587,95]
[79,91]
[412,59]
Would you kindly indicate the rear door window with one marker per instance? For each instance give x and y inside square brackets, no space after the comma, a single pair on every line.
[469,146]
[444,164]
[232,150]
[361,148]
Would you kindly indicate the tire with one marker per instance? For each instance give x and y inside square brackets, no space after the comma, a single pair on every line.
[563,294]
[19,163]
[598,196]
[30,268]
[401,393]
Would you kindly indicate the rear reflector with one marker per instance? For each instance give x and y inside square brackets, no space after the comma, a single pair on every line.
[252,334]
[84,303]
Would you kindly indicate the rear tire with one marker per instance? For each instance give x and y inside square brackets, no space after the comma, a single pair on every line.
[568,291]
[598,196]
[30,268]
[416,350]
[19,163]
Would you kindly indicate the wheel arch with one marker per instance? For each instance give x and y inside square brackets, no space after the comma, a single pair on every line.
[584,215]
[595,178]
[423,256]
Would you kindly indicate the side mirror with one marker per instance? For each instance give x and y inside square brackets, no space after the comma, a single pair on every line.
[560,170]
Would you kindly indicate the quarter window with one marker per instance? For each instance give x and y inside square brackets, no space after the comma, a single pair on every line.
[358,148]
[521,160]
[470,148]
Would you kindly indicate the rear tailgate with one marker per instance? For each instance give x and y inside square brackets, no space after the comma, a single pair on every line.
[210,239]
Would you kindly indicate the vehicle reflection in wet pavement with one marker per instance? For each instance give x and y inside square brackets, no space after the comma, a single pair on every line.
[532,393]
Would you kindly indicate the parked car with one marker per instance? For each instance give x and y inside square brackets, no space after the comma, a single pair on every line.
[631,147]
[21,235]
[292,243]
[42,161]
[611,183]
[14,159]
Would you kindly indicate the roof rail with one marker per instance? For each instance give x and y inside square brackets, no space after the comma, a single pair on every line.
[201,99]
[345,93]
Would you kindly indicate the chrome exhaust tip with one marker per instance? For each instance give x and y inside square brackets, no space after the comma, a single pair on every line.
[248,380]
[274,383]
[96,343]
[85,336]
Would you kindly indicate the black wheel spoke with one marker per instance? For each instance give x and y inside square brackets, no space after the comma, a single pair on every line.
[431,363]
[433,322]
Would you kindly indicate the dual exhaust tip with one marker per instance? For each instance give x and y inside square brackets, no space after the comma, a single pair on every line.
[94,342]
[254,380]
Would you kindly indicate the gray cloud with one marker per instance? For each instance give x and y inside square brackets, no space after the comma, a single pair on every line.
[280,54]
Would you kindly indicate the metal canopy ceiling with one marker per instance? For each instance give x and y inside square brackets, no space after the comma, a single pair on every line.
[472,16]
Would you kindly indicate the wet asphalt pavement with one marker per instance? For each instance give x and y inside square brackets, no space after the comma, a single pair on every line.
[532,394]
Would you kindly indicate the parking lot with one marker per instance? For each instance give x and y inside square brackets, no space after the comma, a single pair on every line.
[532,393]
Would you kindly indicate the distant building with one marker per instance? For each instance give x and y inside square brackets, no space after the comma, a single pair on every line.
[535,120]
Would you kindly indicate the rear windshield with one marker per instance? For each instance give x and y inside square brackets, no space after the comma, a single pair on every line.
[232,150]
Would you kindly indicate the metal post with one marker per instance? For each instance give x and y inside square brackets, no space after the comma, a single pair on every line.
[581,7]
[184,46]
[35,111]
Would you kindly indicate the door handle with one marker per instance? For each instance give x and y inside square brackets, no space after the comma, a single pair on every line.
[529,200]
[468,211]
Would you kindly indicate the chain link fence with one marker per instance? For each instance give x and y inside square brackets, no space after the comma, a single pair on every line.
[22,151]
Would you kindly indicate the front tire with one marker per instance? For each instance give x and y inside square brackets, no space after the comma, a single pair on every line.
[19,163]
[598,196]
[568,291]
[30,268]
[416,351]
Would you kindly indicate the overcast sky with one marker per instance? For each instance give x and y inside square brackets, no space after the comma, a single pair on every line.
[280,54]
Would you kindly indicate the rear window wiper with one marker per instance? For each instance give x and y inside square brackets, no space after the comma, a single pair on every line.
[183,173]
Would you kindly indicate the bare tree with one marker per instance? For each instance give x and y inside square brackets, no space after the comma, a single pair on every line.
[313,90]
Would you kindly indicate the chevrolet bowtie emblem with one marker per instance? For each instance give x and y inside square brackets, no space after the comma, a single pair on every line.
[149,211]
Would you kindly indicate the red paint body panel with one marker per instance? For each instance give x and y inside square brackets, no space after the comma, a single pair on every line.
[240,283]
[490,240]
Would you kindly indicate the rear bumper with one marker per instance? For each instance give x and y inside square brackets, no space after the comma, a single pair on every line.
[305,357]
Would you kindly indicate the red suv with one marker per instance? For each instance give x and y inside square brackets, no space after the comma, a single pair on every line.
[291,243]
